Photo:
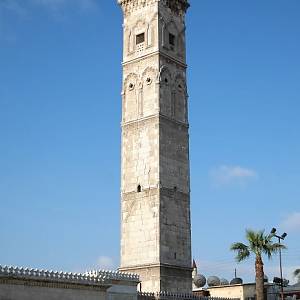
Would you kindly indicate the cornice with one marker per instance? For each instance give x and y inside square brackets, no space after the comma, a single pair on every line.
[129,6]
[179,7]
[157,116]
[155,53]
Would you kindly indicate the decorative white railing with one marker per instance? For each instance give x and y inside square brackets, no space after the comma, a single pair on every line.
[114,275]
[93,277]
[175,296]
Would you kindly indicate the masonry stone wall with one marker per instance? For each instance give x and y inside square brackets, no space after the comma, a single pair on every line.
[33,284]
[12,289]
[35,290]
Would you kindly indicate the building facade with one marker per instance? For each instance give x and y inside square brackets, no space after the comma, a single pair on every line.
[155,175]
[33,284]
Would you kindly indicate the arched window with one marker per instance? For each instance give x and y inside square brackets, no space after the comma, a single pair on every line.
[139,188]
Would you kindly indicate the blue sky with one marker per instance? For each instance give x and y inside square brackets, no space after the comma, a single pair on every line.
[60,131]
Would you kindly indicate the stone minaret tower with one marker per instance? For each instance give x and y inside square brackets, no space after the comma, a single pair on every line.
[155,183]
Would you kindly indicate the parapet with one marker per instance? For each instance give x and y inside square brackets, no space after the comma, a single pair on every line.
[99,277]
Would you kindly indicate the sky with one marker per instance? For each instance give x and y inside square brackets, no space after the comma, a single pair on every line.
[60,112]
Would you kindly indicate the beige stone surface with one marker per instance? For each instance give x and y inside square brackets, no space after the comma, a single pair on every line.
[33,284]
[233,291]
[155,180]
[30,290]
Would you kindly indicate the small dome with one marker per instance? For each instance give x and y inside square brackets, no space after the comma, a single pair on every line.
[224,281]
[236,281]
[199,281]
[213,281]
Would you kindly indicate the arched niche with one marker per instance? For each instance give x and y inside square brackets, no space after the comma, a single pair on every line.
[151,33]
[150,99]
[130,105]
[171,36]
[140,36]
[180,98]
[130,42]
[165,79]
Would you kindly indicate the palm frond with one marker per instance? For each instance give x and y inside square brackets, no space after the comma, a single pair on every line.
[251,236]
[269,248]
[238,246]
[255,239]
[242,251]
[259,243]
[297,272]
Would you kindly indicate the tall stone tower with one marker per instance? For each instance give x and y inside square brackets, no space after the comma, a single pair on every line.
[155,183]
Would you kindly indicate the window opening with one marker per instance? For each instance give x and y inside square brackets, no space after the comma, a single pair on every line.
[172,40]
[139,188]
[140,38]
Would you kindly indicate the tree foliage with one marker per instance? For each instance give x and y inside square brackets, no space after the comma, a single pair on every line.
[259,244]
[297,274]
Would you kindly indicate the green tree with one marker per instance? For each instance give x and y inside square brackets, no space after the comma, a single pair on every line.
[297,274]
[258,244]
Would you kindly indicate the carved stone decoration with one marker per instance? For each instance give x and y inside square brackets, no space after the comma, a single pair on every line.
[179,7]
[163,33]
[140,100]
[130,97]
[181,44]
[89,278]
[130,42]
[165,91]
[149,35]
[180,100]
[149,78]
[130,6]
[172,28]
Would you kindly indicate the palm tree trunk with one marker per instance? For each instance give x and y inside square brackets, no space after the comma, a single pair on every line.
[259,278]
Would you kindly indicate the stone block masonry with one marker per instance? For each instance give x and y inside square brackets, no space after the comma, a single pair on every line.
[155,175]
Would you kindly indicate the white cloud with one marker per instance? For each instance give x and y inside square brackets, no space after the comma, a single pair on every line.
[225,175]
[291,222]
[105,262]
[59,4]
[58,9]
[13,6]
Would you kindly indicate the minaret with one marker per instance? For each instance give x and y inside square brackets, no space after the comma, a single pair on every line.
[155,183]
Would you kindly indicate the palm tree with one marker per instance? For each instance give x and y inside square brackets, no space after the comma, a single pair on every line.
[297,274]
[259,244]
